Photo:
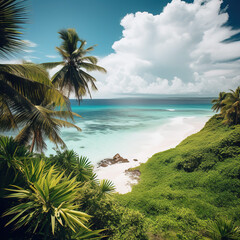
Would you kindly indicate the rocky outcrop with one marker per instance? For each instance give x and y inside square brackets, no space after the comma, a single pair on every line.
[110,161]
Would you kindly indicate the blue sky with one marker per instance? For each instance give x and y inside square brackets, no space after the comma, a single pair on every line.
[97,21]
[147,46]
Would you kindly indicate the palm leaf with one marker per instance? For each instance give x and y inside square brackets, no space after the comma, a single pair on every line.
[13,15]
[50,65]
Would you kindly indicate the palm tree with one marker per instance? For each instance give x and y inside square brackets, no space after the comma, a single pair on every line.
[24,87]
[218,103]
[23,84]
[231,108]
[71,77]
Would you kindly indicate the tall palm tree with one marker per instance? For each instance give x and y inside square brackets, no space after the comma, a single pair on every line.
[218,103]
[19,83]
[231,109]
[71,77]
[25,89]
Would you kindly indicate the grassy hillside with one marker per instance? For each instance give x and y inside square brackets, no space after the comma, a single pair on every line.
[182,188]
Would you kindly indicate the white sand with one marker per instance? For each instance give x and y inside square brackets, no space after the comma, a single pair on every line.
[165,137]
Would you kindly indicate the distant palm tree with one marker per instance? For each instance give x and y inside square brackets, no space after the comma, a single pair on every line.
[71,77]
[231,108]
[218,103]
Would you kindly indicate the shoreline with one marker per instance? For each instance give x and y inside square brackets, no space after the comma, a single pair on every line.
[163,138]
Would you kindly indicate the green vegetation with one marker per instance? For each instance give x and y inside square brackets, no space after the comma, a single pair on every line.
[189,192]
[182,190]
[59,197]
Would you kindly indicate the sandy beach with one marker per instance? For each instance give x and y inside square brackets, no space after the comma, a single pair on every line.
[165,137]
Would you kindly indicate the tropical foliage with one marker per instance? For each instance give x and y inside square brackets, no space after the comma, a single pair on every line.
[27,96]
[229,106]
[44,201]
[223,229]
[48,201]
[71,77]
[45,123]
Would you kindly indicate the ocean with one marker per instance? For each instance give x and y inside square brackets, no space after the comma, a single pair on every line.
[136,128]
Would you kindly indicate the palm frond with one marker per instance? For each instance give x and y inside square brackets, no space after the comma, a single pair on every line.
[50,65]
[92,67]
[13,15]
[90,59]
[65,55]
[32,81]
[106,187]
[48,200]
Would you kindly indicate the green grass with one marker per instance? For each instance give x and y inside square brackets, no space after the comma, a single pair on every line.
[182,188]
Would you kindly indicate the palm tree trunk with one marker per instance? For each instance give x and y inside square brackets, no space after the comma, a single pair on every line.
[33,143]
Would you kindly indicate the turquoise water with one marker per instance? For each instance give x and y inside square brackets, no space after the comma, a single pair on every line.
[126,126]
[135,128]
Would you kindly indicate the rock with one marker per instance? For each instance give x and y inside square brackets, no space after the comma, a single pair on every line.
[135,160]
[103,165]
[118,159]
[110,161]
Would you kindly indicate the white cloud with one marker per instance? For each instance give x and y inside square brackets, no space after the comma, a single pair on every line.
[30,43]
[29,58]
[29,51]
[51,56]
[179,51]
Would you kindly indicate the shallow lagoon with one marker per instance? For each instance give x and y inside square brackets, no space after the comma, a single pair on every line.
[133,127]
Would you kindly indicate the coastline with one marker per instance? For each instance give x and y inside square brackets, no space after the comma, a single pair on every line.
[157,140]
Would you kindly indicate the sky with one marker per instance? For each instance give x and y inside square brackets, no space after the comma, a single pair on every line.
[148,47]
